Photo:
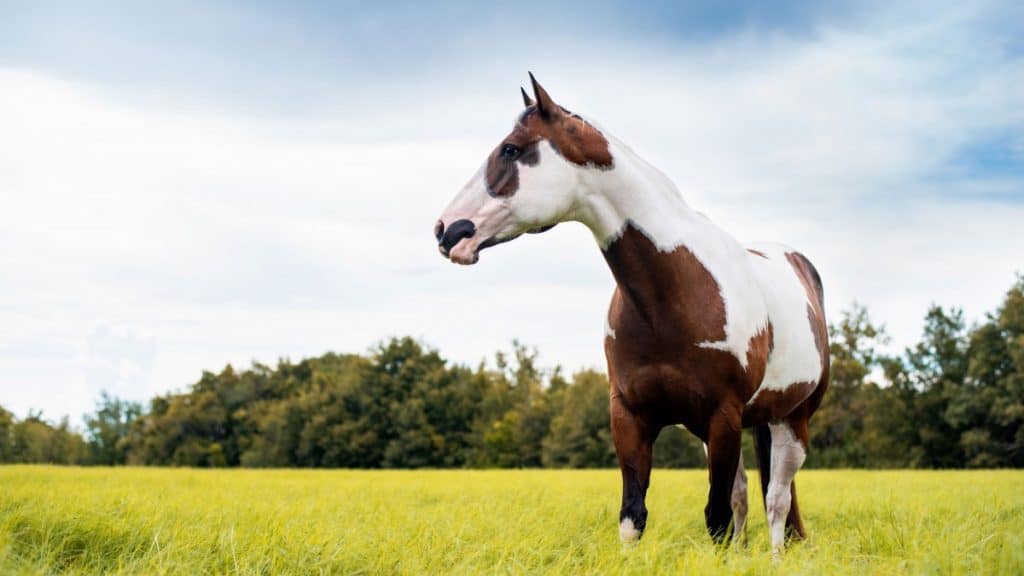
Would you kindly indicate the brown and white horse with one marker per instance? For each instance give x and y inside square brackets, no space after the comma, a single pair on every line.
[702,331]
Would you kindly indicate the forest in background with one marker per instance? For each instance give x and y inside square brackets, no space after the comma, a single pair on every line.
[955,399]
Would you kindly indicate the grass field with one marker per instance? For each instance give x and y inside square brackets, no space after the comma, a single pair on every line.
[160,521]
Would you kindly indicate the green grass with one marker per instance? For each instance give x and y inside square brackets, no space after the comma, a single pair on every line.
[161,521]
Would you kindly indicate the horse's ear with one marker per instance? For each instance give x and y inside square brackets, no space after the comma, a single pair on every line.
[527,101]
[545,104]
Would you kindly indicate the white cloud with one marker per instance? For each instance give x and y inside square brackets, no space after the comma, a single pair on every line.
[142,245]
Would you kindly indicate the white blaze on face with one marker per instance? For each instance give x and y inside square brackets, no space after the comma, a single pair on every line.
[472,203]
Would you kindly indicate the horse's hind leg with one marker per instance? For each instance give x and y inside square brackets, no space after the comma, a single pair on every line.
[787,455]
[794,525]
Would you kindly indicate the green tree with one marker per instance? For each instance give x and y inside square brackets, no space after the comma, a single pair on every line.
[516,411]
[34,440]
[938,368]
[989,408]
[679,448]
[891,429]
[108,429]
[580,433]
[837,428]
[6,435]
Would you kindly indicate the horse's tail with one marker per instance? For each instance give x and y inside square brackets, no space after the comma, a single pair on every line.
[763,449]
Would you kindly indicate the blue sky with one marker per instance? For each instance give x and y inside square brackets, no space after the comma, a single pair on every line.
[239,44]
[189,184]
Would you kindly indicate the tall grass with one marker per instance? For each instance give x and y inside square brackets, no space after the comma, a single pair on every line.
[160,521]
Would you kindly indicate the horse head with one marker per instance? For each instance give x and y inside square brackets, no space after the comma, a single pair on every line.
[534,178]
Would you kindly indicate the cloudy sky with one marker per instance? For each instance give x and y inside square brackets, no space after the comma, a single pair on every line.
[185,185]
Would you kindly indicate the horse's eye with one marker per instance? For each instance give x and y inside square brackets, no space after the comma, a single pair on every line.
[509,151]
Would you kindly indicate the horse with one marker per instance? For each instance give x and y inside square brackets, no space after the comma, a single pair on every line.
[702,331]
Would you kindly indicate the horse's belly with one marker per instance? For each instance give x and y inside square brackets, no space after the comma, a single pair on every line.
[791,376]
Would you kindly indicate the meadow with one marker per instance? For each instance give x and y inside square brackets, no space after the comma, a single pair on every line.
[190,521]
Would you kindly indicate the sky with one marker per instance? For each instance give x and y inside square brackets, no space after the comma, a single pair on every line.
[191,184]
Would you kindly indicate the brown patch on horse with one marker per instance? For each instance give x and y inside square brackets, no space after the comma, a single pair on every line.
[759,350]
[809,277]
[577,141]
[568,134]
[757,253]
[502,174]
[676,284]
[817,322]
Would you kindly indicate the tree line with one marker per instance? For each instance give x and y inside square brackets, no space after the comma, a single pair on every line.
[954,399]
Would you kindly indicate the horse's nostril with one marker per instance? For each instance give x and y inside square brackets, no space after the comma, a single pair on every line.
[457,231]
[439,230]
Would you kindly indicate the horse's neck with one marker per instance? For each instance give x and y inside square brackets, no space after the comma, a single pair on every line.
[638,193]
[639,218]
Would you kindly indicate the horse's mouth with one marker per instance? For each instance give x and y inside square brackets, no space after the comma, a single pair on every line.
[541,229]
[494,241]
[467,254]
[467,251]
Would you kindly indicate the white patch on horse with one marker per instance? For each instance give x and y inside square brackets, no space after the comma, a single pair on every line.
[536,200]
[609,332]
[638,194]
[628,532]
[787,457]
[795,357]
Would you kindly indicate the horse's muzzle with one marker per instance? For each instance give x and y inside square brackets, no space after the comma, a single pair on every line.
[448,237]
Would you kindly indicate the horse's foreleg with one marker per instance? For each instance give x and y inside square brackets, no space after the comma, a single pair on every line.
[723,460]
[634,441]
[739,501]
[739,504]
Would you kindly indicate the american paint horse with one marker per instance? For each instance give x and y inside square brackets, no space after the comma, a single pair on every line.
[702,331]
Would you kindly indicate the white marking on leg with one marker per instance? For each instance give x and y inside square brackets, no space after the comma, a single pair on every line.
[739,504]
[628,532]
[787,457]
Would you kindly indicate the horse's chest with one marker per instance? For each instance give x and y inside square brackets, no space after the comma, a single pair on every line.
[656,359]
